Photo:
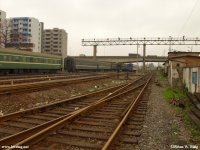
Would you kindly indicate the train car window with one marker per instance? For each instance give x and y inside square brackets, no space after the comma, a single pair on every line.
[27,59]
[23,59]
[35,60]
[45,60]
[17,58]
[9,58]
[31,59]
[5,58]
[39,60]
[1,57]
[42,60]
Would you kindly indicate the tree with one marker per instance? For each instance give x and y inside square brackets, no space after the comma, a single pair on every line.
[5,28]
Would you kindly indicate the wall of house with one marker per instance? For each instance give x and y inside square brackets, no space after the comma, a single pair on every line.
[175,73]
[188,79]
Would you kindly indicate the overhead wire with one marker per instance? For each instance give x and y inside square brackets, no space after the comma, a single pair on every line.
[189,16]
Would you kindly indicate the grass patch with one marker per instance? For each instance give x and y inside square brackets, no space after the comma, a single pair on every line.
[169,94]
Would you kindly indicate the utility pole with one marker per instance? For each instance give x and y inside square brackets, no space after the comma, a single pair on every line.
[94,52]
[144,53]
[137,59]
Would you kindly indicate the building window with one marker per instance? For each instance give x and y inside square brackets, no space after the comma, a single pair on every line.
[29,30]
[29,25]
[29,20]
[194,78]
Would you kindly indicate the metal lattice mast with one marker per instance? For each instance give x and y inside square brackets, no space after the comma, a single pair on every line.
[140,41]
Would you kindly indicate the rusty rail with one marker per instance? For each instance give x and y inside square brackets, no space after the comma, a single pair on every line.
[58,123]
[127,112]
[45,84]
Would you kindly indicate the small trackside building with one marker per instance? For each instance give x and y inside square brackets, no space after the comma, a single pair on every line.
[184,71]
[191,76]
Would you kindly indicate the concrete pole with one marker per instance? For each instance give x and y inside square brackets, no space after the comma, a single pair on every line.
[94,52]
[137,59]
[144,55]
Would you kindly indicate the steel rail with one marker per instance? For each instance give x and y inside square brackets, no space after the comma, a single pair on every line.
[127,113]
[27,76]
[18,136]
[38,79]
[62,121]
[54,104]
[43,78]
[40,85]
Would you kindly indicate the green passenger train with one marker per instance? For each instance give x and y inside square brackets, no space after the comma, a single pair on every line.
[14,61]
[18,61]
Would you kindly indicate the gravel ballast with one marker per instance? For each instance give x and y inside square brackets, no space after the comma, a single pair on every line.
[163,128]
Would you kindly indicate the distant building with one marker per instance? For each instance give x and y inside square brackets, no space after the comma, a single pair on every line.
[26,33]
[133,55]
[177,54]
[55,41]
[2,28]
[82,55]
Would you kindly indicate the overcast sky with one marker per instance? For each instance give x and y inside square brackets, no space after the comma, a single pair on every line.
[113,19]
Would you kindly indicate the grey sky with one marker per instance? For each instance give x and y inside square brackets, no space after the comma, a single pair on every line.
[112,19]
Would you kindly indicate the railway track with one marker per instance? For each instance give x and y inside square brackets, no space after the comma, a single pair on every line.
[35,86]
[28,76]
[38,78]
[94,125]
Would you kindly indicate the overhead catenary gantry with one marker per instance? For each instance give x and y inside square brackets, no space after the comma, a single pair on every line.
[140,41]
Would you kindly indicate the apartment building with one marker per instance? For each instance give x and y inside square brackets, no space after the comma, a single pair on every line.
[55,41]
[26,33]
[2,28]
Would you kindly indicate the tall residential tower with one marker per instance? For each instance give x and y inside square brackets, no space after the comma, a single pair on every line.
[55,41]
[26,33]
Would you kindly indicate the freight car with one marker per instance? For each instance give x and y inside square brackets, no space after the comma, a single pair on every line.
[17,61]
